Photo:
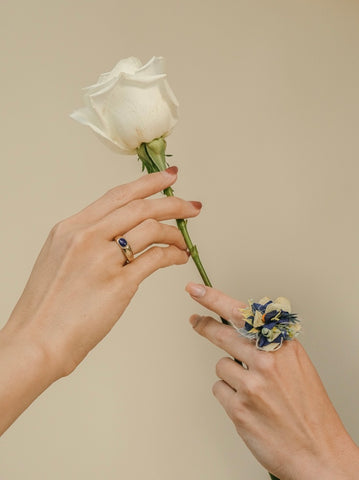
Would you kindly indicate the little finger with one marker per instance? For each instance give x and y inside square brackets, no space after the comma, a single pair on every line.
[153,259]
[231,372]
[225,395]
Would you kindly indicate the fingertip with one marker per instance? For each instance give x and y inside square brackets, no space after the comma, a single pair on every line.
[197,205]
[196,290]
[194,320]
[170,175]
[172,171]
[181,255]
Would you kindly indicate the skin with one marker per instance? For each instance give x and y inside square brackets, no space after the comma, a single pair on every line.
[278,405]
[79,286]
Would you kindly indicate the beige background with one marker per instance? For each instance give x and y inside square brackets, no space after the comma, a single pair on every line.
[267,139]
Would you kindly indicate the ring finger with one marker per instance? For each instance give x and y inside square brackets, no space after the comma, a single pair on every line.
[151,231]
[231,372]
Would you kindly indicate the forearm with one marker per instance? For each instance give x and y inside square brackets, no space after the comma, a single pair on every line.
[25,372]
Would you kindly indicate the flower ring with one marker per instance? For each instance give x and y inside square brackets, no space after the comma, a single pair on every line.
[269,323]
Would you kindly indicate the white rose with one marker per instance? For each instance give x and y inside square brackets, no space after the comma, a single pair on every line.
[130,105]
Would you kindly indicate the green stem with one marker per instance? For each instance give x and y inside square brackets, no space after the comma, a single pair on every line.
[153,158]
[182,225]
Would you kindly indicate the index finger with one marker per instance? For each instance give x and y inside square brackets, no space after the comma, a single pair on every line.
[120,195]
[224,337]
[217,301]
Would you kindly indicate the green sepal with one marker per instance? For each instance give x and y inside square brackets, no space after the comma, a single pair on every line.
[153,155]
[146,160]
[157,151]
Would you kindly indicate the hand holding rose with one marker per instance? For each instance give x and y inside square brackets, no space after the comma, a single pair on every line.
[279,405]
[80,287]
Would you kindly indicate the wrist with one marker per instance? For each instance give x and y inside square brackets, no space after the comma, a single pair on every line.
[26,370]
[339,462]
[21,340]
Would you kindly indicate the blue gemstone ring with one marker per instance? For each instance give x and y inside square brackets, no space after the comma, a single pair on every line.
[126,249]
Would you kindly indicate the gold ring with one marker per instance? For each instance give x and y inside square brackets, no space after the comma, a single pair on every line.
[126,249]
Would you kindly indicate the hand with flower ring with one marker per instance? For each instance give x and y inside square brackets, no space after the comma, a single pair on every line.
[278,405]
[80,285]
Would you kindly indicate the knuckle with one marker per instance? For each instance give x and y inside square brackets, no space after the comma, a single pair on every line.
[252,390]
[157,254]
[118,194]
[200,325]
[126,286]
[296,350]
[181,256]
[174,256]
[59,229]
[237,410]
[266,362]
[296,346]
[224,335]
[81,238]
[220,366]
[176,203]
[139,206]
[152,224]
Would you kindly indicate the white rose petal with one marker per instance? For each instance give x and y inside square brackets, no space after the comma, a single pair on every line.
[131,104]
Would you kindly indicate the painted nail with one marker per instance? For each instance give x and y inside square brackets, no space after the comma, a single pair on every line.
[194,320]
[196,290]
[172,170]
[197,205]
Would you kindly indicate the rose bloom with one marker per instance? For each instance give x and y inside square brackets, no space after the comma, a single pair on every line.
[130,105]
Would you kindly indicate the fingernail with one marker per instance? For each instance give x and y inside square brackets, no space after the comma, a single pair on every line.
[194,320]
[197,205]
[172,170]
[196,290]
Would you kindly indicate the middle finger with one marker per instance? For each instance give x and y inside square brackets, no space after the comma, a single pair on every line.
[225,337]
[125,218]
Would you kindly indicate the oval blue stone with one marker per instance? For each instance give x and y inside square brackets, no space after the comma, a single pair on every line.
[122,242]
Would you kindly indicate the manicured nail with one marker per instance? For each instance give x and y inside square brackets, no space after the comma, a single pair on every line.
[194,320]
[196,290]
[197,205]
[172,170]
